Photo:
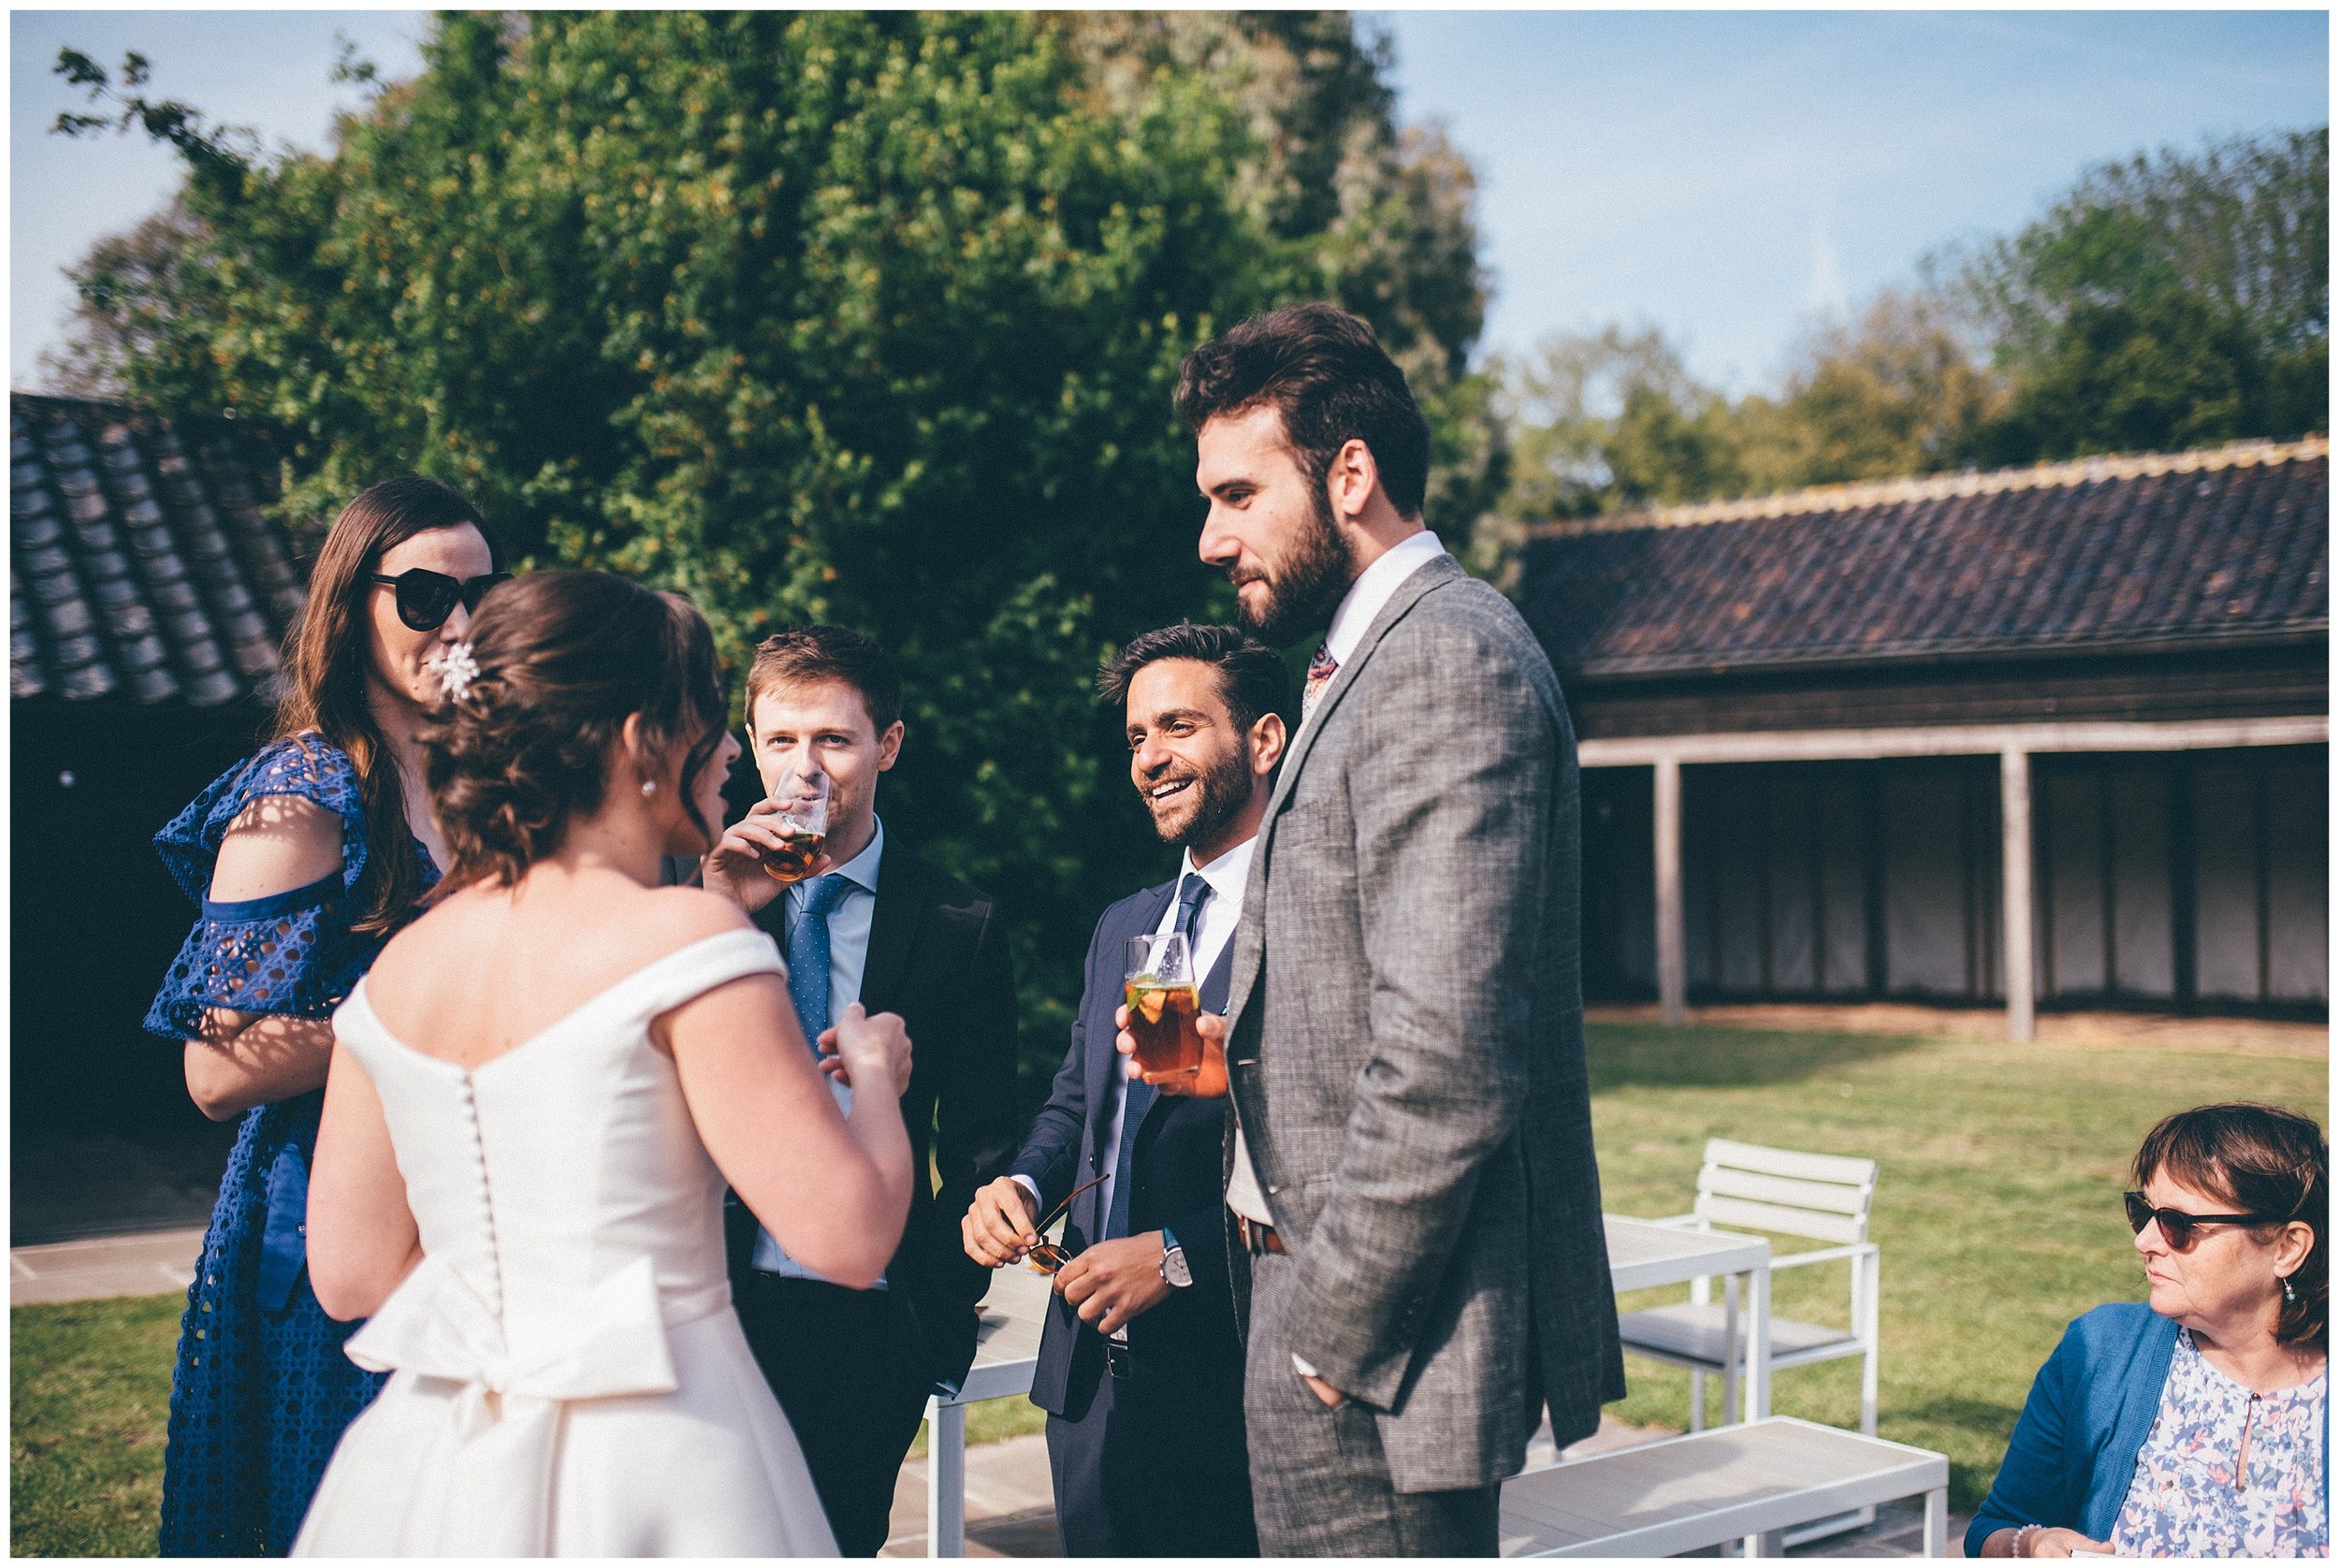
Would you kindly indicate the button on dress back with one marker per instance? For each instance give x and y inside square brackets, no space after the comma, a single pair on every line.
[568,1322]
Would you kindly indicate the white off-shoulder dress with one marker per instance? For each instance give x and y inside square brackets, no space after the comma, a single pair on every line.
[568,1376]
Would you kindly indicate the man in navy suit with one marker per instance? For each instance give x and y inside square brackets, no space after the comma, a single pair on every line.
[1140,1363]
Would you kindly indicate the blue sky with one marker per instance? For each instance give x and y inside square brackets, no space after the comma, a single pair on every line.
[1717,174]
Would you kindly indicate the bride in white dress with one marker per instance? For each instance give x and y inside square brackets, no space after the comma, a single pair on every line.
[535,1099]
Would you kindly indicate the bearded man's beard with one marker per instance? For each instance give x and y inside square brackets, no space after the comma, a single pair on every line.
[1304,590]
[1218,795]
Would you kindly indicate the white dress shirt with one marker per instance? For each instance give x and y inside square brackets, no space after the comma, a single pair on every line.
[849,921]
[1365,599]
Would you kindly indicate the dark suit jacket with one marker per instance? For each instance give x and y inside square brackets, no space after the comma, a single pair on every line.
[1175,1181]
[1406,1050]
[937,956]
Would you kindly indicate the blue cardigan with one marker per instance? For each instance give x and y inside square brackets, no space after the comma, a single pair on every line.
[2091,1407]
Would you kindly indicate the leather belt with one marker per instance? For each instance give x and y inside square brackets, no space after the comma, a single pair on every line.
[1258,1240]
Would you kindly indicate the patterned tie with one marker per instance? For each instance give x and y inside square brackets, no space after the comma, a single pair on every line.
[807,955]
[1321,669]
[1193,893]
[807,987]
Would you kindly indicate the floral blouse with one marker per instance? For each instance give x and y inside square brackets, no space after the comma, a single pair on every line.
[2186,1499]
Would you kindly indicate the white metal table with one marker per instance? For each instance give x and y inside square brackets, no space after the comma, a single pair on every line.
[1006,1354]
[1749,1482]
[1644,1252]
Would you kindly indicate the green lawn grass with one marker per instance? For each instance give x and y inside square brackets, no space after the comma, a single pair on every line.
[1997,1208]
[89,1393]
[89,1385]
[1997,1211]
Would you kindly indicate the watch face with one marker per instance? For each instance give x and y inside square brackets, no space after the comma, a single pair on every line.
[1173,1268]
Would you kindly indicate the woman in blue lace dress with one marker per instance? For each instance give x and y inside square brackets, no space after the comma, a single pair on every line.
[303,859]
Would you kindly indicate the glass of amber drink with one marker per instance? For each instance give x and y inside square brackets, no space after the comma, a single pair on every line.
[802,825]
[1158,987]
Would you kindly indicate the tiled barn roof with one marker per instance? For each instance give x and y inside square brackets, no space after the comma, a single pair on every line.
[141,564]
[2107,553]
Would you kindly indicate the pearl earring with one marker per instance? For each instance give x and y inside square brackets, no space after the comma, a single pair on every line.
[650,786]
[2289,1291]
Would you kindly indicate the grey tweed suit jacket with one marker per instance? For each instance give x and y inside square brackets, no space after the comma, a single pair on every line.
[1405,1044]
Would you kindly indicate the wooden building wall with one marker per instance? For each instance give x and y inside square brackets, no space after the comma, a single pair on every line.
[2177,881]
[2198,876]
[96,918]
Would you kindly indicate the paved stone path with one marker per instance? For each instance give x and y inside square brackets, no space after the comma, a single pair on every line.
[144,1264]
[1011,1511]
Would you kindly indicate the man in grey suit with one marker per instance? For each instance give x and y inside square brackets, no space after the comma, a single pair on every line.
[1411,1177]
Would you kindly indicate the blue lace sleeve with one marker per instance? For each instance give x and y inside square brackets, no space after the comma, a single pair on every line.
[291,953]
[306,769]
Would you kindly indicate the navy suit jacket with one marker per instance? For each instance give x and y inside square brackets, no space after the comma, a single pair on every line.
[1176,1178]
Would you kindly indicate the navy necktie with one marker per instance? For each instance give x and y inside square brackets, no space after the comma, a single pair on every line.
[808,955]
[1193,893]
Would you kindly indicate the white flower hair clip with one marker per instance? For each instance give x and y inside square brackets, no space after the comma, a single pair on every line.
[457,670]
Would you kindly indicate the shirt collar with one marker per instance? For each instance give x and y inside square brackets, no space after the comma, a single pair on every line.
[1226,874]
[1373,588]
[861,870]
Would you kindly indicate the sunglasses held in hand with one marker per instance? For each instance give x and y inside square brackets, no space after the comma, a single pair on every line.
[2176,1226]
[427,598]
[1046,1257]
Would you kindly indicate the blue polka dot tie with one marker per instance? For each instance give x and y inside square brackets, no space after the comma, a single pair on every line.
[807,955]
[807,987]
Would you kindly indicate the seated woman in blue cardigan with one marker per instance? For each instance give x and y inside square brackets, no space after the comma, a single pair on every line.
[2194,1425]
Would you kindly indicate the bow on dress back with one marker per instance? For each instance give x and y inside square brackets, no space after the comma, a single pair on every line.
[568,1377]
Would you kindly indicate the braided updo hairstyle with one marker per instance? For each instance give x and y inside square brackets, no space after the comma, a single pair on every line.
[564,657]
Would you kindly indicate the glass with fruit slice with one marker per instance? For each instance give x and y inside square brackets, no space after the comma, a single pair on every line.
[1158,987]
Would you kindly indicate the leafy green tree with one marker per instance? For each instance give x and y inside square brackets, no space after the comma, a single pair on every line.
[871,317]
[2169,300]
[1899,392]
[2166,302]
[1612,421]
[1376,218]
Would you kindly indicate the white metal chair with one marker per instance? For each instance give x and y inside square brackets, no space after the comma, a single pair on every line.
[1824,1198]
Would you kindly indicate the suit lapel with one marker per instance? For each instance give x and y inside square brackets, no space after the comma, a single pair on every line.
[1213,986]
[1419,581]
[1249,956]
[901,904]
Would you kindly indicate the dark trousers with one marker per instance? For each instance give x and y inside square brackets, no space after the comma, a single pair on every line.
[1320,1475]
[847,1367]
[1155,1467]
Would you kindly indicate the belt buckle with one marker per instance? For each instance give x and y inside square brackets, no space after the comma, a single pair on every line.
[1117,1358]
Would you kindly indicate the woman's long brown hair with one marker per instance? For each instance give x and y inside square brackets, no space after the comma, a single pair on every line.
[325,664]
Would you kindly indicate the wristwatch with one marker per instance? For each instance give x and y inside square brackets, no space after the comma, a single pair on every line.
[1173,1269]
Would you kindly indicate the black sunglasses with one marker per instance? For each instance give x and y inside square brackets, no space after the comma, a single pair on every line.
[427,598]
[2176,1226]
[1046,1257]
